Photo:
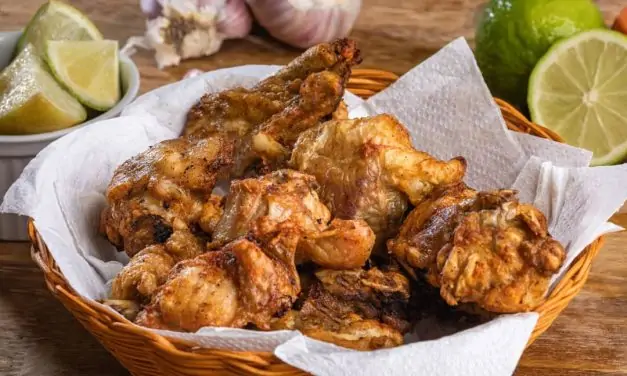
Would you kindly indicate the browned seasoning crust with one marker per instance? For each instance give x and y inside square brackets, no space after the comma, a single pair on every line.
[264,121]
[368,169]
[358,309]
[240,284]
[163,190]
[484,248]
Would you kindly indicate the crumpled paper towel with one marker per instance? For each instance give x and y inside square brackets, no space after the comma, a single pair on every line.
[448,111]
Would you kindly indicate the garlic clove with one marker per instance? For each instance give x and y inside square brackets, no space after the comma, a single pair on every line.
[200,42]
[192,73]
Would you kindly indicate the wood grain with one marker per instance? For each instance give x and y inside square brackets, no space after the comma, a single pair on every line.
[39,338]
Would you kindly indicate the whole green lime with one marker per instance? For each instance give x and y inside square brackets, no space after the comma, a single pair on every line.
[512,35]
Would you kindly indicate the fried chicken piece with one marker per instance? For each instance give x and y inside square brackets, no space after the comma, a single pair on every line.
[368,168]
[429,226]
[147,270]
[500,259]
[165,189]
[373,293]
[238,285]
[358,309]
[264,121]
[260,206]
[483,248]
[144,273]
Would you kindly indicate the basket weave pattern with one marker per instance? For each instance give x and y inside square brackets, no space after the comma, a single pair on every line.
[147,354]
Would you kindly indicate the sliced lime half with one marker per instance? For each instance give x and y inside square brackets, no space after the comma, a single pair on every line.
[579,90]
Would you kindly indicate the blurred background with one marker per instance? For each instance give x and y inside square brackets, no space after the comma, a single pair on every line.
[394,35]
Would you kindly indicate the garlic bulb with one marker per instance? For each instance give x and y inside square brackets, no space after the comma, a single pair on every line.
[182,29]
[234,20]
[304,23]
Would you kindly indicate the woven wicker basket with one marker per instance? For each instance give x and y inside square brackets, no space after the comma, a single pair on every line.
[148,354]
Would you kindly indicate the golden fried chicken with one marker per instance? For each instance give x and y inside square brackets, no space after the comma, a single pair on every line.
[368,169]
[484,248]
[149,268]
[240,284]
[373,293]
[263,122]
[165,189]
[500,259]
[259,207]
[430,225]
[144,273]
[358,309]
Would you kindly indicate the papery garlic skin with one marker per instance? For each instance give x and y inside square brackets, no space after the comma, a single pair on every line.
[150,8]
[304,23]
[185,29]
[234,19]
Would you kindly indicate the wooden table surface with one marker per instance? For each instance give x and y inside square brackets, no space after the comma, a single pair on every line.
[39,338]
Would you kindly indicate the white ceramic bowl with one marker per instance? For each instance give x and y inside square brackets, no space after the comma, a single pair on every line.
[17,151]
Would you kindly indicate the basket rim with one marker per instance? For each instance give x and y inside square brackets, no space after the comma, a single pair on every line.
[364,82]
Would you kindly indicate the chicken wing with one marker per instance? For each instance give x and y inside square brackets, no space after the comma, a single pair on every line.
[367,169]
[264,121]
[260,206]
[165,189]
[358,309]
[235,286]
[484,248]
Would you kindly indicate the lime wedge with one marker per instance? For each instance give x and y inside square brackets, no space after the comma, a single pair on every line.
[31,101]
[579,90]
[56,20]
[89,70]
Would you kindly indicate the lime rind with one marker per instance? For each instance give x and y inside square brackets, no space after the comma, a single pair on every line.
[616,153]
[89,31]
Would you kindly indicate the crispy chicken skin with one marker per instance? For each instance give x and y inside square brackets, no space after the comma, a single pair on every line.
[430,225]
[240,284]
[147,270]
[484,248]
[165,189]
[144,273]
[367,169]
[288,199]
[358,309]
[500,259]
[264,121]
